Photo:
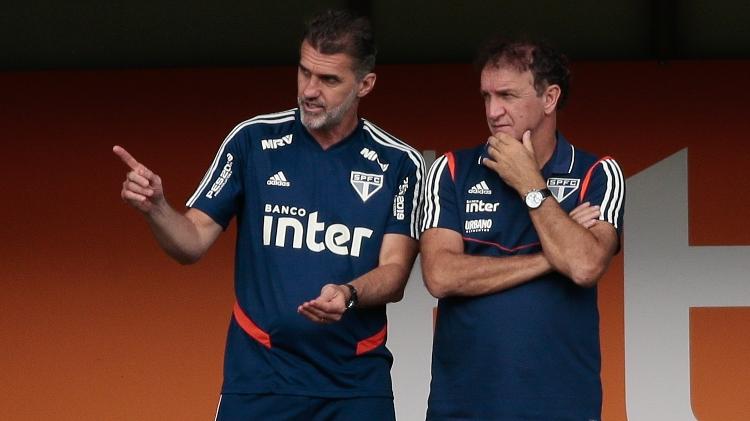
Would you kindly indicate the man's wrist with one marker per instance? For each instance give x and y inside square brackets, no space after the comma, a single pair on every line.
[353,300]
[159,209]
[534,181]
[535,197]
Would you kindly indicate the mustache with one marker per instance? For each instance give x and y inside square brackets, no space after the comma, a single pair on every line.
[301,101]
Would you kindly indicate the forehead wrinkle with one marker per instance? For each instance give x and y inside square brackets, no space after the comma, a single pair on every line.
[324,64]
[503,79]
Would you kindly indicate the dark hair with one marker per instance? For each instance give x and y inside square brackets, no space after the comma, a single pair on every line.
[341,31]
[547,66]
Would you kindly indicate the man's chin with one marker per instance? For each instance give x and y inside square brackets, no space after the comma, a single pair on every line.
[316,123]
[313,121]
[506,130]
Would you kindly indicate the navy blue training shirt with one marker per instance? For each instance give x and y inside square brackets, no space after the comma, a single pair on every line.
[307,217]
[529,352]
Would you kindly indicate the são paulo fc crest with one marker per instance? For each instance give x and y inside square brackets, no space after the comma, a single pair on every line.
[365,184]
[561,188]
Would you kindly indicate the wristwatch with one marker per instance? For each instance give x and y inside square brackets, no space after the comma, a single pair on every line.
[353,298]
[535,197]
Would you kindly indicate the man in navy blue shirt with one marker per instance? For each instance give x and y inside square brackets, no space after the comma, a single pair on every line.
[517,233]
[327,208]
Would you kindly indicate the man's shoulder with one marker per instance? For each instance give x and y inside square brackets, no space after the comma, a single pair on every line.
[464,160]
[271,129]
[389,145]
[267,122]
[467,155]
[580,156]
[586,162]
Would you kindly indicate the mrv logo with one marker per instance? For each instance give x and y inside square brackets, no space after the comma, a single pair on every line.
[276,143]
[373,156]
[314,235]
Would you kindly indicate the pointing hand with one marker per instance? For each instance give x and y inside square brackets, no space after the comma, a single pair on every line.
[142,189]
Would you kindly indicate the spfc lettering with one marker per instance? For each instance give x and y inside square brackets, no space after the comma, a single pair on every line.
[365,184]
[561,188]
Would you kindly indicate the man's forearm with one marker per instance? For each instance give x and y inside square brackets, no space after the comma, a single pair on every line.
[382,285]
[581,254]
[386,282]
[449,273]
[177,234]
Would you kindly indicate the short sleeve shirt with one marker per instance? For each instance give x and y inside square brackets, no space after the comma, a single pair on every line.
[307,217]
[529,351]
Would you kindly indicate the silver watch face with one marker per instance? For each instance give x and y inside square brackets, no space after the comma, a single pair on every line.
[534,199]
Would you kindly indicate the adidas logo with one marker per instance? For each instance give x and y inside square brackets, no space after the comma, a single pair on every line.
[481,188]
[278,179]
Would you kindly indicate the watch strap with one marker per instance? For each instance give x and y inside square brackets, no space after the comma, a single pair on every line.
[353,297]
[544,193]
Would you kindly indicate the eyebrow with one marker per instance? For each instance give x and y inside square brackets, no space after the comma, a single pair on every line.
[321,76]
[331,77]
[498,91]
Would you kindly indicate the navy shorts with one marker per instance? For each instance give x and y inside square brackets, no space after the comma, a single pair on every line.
[252,407]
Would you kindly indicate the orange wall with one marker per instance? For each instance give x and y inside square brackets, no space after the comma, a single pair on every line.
[98,324]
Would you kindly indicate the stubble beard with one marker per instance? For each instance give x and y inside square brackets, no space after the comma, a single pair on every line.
[328,118]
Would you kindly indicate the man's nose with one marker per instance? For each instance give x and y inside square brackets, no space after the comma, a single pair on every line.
[312,88]
[495,109]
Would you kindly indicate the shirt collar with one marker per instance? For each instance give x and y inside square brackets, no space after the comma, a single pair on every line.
[562,159]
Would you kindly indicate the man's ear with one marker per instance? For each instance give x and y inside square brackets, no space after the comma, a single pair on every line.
[551,97]
[366,85]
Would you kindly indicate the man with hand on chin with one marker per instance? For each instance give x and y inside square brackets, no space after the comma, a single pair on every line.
[517,233]
[327,211]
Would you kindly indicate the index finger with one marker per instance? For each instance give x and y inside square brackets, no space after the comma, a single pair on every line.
[126,157]
[583,205]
